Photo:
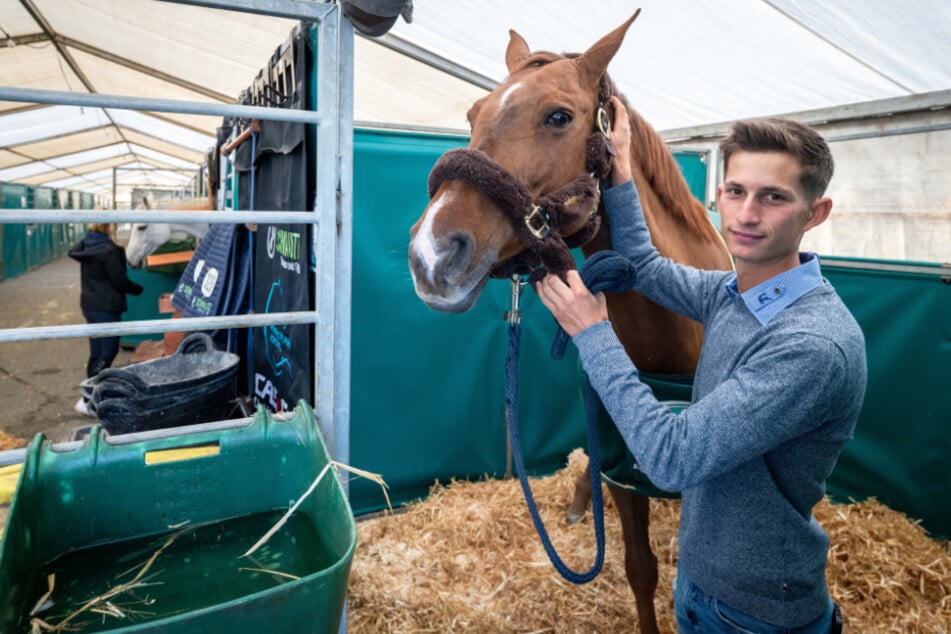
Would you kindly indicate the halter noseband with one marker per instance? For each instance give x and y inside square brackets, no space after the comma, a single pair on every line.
[538,224]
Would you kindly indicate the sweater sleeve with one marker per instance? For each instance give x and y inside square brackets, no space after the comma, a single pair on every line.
[780,392]
[682,289]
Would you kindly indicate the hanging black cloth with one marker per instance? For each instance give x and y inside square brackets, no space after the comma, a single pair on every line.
[283,180]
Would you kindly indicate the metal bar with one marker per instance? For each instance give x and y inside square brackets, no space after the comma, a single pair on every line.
[407,48]
[96,100]
[148,326]
[328,178]
[294,9]
[405,127]
[142,68]
[12,456]
[874,134]
[10,216]
[821,116]
[942,271]
[344,281]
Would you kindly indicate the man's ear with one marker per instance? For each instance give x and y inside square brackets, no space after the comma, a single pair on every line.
[820,211]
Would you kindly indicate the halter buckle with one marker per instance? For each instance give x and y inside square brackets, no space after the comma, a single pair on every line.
[543,229]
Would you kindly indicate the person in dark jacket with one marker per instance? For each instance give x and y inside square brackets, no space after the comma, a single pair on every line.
[104,284]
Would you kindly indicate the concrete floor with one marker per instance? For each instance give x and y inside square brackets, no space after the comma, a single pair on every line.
[39,380]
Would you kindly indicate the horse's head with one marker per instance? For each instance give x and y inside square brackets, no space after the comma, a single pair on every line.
[144,239]
[529,150]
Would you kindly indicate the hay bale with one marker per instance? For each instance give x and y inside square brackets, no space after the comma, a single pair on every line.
[468,559]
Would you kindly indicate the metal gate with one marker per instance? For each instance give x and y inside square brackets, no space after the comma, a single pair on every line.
[331,215]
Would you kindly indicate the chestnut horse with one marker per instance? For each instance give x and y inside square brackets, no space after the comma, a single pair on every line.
[535,129]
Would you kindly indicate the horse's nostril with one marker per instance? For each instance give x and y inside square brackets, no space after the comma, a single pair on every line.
[460,252]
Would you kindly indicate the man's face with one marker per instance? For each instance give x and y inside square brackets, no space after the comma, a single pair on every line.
[764,211]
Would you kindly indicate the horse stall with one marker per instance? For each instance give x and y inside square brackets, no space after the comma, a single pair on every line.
[419,398]
[26,246]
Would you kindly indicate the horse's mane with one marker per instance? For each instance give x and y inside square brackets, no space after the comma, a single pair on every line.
[659,167]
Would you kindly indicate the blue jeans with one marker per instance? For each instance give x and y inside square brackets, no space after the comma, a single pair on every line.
[698,613]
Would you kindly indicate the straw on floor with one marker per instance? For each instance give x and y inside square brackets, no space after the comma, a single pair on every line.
[468,559]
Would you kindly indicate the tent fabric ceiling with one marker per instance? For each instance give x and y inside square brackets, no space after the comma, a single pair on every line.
[683,64]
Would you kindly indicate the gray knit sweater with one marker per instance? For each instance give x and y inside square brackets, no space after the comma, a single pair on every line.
[773,404]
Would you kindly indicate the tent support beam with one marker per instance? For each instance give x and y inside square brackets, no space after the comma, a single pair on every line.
[923,102]
[429,58]
[145,70]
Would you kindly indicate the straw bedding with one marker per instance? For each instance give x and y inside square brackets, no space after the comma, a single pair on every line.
[468,559]
[8,442]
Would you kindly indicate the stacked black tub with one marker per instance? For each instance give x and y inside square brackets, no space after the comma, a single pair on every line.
[196,384]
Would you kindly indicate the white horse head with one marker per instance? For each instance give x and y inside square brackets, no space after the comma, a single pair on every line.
[146,237]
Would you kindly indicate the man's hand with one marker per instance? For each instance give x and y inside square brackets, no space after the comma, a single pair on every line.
[573,305]
[621,142]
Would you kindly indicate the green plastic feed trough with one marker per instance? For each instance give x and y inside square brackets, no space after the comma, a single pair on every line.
[149,532]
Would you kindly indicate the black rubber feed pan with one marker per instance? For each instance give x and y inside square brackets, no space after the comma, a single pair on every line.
[124,416]
[194,385]
[195,362]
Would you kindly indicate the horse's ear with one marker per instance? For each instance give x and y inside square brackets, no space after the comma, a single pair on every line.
[516,51]
[595,60]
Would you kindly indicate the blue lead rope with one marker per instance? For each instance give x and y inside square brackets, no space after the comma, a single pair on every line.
[603,271]
[594,457]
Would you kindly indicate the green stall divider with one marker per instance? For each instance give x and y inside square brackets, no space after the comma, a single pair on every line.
[50,240]
[146,305]
[15,243]
[902,447]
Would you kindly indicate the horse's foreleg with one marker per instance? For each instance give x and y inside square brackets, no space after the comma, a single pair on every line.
[582,496]
[640,563]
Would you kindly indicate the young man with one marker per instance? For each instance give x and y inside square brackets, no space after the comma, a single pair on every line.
[777,391]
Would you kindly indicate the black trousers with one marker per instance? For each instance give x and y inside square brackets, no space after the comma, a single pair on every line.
[102,350]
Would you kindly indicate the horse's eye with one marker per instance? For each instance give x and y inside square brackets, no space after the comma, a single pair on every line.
[558,119]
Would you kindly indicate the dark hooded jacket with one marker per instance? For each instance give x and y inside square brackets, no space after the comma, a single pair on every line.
[104,280]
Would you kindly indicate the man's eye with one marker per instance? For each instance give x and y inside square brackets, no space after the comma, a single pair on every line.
[558,119]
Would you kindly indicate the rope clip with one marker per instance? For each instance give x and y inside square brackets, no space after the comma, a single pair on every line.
[514,315]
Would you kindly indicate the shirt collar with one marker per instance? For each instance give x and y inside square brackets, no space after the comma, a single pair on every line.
[768,299]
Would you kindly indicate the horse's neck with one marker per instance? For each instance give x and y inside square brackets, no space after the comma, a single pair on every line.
[656,339]
[198,230]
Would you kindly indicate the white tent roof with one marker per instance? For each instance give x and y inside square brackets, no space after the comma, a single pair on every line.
[684,64]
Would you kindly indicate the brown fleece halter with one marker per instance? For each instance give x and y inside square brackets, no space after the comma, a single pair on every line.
[538,224]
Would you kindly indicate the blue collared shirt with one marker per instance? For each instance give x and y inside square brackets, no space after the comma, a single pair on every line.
[768,299]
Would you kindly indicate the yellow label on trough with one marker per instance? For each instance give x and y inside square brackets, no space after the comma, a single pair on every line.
[181,453]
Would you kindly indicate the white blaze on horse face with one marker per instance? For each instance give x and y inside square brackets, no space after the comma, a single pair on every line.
[508,93]
[424,244]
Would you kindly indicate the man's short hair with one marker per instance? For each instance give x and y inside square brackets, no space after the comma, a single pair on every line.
[791,137]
